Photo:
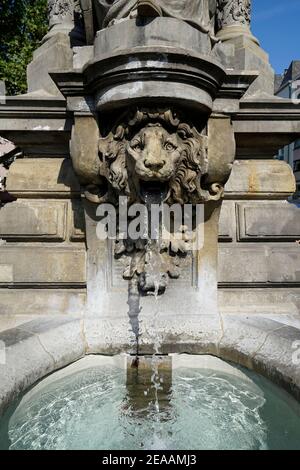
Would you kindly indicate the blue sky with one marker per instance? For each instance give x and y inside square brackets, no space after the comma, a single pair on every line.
[276,23]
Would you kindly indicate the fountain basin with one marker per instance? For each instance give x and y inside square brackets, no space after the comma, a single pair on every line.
[202,403]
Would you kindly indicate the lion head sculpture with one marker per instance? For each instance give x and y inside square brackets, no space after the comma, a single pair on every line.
[155,155]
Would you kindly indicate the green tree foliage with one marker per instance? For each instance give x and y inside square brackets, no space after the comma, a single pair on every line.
[23,23]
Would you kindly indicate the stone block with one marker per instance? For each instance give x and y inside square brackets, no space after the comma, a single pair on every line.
[249,56]
[262,301]
[82,55]
[6,273]
[44,265]
[256,221]
[33,220]
[260,178]
[56,53]
[243,336]
[43,177]
[227,222]
[77,221]
[32,302]
[159,32]
[256,264]
[34,350]
[284,265]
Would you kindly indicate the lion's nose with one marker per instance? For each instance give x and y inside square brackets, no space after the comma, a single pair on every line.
[153,164]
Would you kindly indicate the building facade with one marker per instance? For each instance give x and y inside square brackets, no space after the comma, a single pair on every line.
[287,85]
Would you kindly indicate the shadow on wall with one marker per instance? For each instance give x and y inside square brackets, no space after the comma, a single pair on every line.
[68,178]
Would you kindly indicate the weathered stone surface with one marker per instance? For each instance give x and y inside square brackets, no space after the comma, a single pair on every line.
[70,333]
[82,55]
[43,177]
[284,264]
[221,148]
[6,273]
[199,13]
[249,56]
[227,223]
[39,347]
[34,350]
[276,358]
[168,31]
[43,265]
[256,221]
[77,222]
[243,336]
[32,302]
[33,220]
[53,54]
[122,48]
[260,178]
[261,301]
[259,264]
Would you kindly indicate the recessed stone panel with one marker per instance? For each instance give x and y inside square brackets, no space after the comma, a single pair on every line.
[40,177]
[268,221]
[77,221]
[44,265]
[6,273]
[227,222]
[259,264]
[32,220]
[41,302]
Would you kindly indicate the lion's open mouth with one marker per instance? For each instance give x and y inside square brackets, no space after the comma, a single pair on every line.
[154,192]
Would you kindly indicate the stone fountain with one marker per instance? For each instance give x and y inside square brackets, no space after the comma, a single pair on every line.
[152,100]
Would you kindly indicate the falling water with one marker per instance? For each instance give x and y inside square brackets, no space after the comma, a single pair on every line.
[154,272]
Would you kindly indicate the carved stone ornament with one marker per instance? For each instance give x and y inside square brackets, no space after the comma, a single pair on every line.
[151,157]
[62,11]
[233,11]
[149,149]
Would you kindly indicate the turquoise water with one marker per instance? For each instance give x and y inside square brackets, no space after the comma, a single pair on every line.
[198,409]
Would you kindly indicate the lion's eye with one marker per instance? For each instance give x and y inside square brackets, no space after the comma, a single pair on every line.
[137,146]
[169,146]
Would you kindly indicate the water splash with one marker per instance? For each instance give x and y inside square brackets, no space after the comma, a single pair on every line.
[207,410]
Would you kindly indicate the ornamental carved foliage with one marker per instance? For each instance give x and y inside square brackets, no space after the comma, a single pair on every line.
[233,11]
[155,150]
[60,11]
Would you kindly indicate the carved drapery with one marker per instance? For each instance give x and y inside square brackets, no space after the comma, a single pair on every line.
[199,13]
[202,14]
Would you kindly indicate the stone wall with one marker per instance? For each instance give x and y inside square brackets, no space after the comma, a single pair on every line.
[43,252]
[259,255]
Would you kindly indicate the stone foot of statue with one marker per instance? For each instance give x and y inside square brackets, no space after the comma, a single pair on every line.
[148,9]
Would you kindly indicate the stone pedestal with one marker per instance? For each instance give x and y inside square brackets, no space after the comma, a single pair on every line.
[55,53]
[250,56]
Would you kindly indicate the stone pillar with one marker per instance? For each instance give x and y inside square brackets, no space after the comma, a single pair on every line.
[234,19]
[65,31]
[65,17]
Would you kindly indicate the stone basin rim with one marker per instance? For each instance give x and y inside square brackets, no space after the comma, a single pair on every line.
[38,348]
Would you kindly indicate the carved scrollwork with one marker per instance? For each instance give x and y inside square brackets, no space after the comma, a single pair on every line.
[232,12]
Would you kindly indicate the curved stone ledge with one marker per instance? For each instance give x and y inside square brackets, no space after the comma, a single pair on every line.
[40,347]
